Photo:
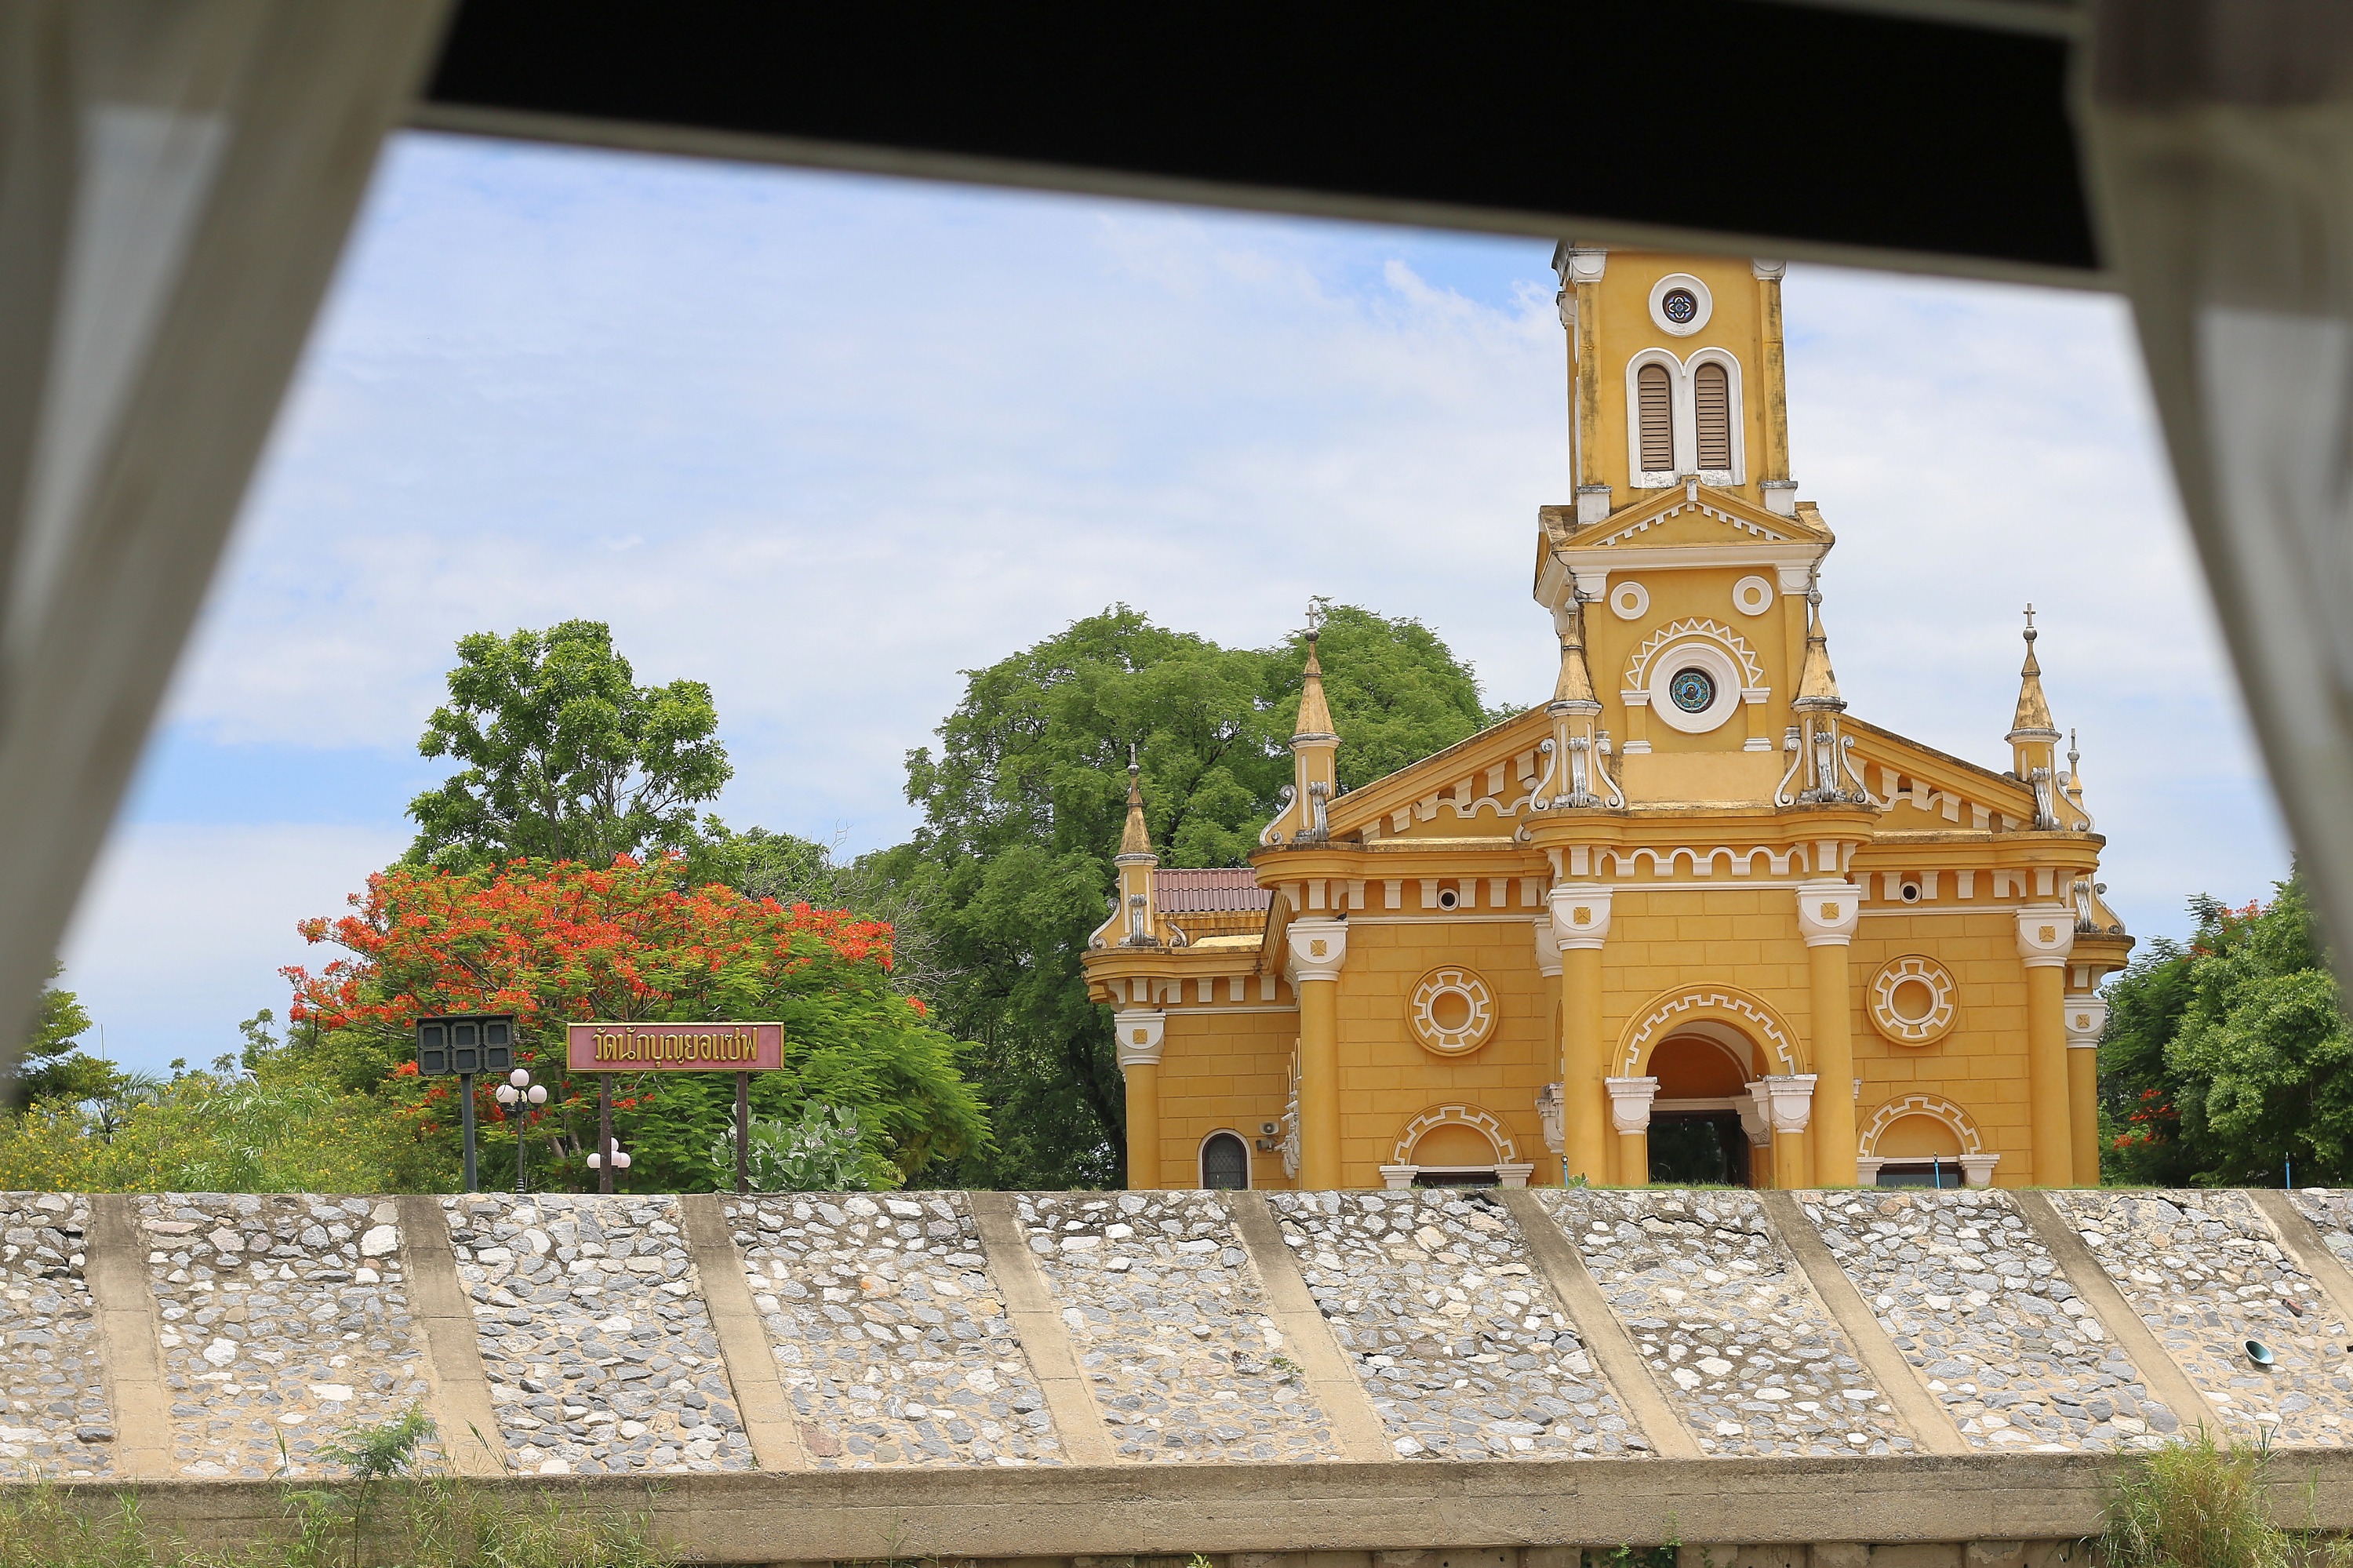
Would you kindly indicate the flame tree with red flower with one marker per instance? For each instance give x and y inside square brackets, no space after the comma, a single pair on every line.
[564,942]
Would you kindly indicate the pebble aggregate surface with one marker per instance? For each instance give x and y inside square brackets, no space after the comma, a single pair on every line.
[53,1415]
[1977,1305]
[1718,1307]
[2204,1274]
[1171,1328]
[285,1320]
[2332,1211]
[600,1354]
[889,1335]
[1459,1343]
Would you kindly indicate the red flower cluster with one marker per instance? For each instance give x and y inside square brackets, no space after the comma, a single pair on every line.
[556,944]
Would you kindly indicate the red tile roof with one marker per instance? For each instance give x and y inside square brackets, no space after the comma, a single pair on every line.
[1204,892]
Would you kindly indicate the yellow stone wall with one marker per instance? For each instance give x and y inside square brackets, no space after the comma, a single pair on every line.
[1223,1069]
[1981,1064]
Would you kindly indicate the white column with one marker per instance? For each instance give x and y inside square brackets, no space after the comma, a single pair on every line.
[1787,1103]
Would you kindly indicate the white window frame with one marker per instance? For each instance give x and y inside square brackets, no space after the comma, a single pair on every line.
[1683,414]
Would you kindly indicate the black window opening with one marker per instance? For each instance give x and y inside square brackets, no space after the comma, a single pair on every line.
[1702,1150]
[1225,1163]
[1922,1173]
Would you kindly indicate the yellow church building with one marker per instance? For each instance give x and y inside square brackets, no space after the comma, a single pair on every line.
[1688,920]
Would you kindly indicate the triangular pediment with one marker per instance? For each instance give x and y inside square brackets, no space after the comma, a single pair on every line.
[1686,516]
[1469,788]
[1924,789]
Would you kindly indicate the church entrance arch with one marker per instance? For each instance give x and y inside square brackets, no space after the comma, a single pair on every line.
[1686,1089]
[1696,1135]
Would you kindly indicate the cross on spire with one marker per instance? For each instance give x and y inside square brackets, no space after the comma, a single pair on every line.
[2030,623]
[1315,612]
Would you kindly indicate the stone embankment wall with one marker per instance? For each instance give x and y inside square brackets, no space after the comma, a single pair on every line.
[871,1364]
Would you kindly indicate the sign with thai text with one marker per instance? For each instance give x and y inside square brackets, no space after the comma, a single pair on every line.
[674,1047]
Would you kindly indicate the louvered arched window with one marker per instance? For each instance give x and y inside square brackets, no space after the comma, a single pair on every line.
[1711,416]
[1654,403]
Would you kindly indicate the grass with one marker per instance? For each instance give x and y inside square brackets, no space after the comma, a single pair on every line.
[391,1513]
[2194,1504]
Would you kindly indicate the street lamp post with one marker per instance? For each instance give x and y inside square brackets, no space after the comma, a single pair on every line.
[612,1158]
[517,1093]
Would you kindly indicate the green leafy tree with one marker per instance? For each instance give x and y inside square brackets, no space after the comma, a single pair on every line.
[55,1066]
[564,757]
[1023,803]
[2228,1057]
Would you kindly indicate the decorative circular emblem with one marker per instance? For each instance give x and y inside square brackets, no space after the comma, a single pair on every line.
[1680,304]
[1628,601]
[1453,1011]
[1912,1001]
[1752,595]
[1692,690]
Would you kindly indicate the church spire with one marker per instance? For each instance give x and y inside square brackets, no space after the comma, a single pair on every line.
[1137,839]
[2033,739]
[1816,681]
[1135,863]
[2032,720]
[1314,755]
[1817,749]
[1576,682]
[1578,776]
[1314,713]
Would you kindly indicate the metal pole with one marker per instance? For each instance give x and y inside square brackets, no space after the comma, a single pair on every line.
[743,1132]
[520,1105]
[466,1120]
[604,1132]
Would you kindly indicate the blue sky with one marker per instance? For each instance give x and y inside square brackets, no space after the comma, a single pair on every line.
[825,441]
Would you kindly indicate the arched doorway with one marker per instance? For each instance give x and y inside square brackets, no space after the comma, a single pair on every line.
[1697,1134]
[1225,1162]
[1455,1146]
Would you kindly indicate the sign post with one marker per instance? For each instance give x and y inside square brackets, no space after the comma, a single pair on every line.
[743,1133]
[460,1046]
[742,1049]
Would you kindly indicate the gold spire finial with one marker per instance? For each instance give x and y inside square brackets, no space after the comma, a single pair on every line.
[1137,838]
[1816,681]
[2032,719]
[1314,713]
[1576,682]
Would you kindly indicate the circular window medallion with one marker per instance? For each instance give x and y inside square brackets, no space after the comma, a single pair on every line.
[1453,1011]
[1752,595]
[1691,689]
[1629,600]
[1912,1002]
[1694,687]
[1680,304]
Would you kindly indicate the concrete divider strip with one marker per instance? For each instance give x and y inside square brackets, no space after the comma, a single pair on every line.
[760,1397]
[1078,1423]
[2160,1371]
[453,1356]
[1329,1373]
[1919,1410]
[114,1266]
[1605,1337]
[2304,1241]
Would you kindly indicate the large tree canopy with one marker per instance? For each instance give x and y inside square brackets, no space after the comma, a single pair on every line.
[1022,808]
[564,756]
[54,1066]
[2228,1058]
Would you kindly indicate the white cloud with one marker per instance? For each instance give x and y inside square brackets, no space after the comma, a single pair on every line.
[182,929]
[826,441]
